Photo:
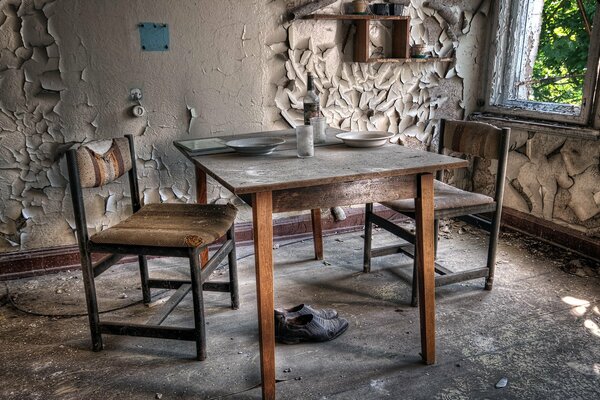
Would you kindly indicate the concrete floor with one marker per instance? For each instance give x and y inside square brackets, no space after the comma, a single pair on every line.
[539,328]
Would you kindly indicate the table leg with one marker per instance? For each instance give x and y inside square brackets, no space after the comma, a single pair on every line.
[317,232]
[262,218]
[201,198]
[425,265]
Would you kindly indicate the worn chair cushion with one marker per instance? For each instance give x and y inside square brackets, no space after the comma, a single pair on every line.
[98,169]
[171,225]
[446,197]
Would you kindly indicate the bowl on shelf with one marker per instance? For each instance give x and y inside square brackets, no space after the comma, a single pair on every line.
[364,138]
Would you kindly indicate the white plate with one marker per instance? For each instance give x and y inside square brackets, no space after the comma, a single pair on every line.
[364,139]
[255,146]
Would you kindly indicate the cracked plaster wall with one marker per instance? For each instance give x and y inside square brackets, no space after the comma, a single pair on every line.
[551,177]
[557,179]
[66,67]
[406,99]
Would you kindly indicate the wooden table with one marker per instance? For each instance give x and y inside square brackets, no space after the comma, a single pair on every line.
[336,175]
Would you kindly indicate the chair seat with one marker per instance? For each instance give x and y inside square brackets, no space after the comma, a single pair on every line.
[171,225]
[446,197]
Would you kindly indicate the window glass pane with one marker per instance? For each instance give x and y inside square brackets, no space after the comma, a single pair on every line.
[552,64]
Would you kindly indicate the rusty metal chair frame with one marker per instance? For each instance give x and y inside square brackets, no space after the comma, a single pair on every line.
[471,215]
[197,283]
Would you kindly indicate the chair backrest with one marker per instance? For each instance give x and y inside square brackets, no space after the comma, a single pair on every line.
[89,169]
[480,140]
[473,138]
[99,169]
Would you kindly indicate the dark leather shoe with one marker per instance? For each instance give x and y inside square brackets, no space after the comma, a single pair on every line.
[308,328]
[305,309]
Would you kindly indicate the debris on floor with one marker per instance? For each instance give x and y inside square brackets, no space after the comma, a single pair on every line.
[582,268]
[502,383]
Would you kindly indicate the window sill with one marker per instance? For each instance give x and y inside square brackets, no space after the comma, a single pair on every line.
[551,128]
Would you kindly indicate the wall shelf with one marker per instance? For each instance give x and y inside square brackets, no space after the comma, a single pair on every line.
[400,38]
[409,60]
[357,17]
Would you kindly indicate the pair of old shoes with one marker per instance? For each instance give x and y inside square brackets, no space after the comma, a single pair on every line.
[306,324]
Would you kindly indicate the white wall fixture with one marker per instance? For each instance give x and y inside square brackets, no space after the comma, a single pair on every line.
[138,111]
[135,94]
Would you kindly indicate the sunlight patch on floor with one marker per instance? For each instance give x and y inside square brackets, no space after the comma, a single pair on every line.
[580,306]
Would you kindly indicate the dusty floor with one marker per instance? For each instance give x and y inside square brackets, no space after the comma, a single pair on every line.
[539,328]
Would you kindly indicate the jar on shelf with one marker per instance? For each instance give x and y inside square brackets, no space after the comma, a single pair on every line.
[359,7]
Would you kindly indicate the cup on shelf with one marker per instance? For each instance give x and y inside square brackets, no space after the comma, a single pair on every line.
[319,125]
[304,141]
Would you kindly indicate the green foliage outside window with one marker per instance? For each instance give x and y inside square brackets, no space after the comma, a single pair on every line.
[560,64]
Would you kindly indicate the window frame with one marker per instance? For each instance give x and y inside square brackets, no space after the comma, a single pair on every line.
[496,87]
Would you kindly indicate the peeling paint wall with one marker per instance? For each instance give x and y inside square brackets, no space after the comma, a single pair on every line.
[31,131]
[557,179]
[66,68]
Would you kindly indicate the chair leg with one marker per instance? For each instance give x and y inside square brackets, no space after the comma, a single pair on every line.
[436,231]
[317,228]
[491,258]
[233,278]
[368,238]
[197,299]
[414,293]
[91,301]
[146,295]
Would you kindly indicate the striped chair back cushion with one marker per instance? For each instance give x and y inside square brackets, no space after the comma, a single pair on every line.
[474,138]
[99,169]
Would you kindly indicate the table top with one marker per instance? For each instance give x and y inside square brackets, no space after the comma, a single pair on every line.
[332,163]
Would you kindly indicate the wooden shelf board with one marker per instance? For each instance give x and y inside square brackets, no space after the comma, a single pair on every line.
[356,17]
[409,60]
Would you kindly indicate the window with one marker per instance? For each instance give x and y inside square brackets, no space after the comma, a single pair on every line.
[544,62]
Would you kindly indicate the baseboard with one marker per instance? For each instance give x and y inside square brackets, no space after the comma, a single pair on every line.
[550,232]
[38,262]
[25,263]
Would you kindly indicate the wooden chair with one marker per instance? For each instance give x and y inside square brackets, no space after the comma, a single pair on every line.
[174,230]
[470,138]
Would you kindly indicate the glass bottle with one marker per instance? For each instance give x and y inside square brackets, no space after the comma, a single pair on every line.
[312,105]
